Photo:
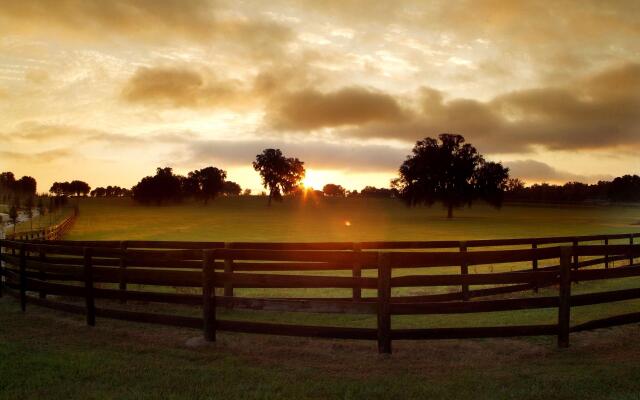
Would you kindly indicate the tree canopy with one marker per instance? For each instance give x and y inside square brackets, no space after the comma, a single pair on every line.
[280,175]
[73,188]
[164,186]
[450,171]
[206,183]
[333,190]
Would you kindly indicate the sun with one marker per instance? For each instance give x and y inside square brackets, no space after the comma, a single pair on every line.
[313,180]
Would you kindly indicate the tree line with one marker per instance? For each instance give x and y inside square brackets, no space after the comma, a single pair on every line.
[444,170]
[621,189]
[203,184]
[21,196]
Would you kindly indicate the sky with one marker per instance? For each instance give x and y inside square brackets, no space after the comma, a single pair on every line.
[106,91]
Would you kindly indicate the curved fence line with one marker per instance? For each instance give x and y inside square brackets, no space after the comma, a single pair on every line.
[53,232]
[48,272]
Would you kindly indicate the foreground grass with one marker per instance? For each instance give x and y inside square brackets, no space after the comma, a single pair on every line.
[52,355]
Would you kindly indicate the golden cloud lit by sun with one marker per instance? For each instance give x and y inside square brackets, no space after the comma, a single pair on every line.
[124,87]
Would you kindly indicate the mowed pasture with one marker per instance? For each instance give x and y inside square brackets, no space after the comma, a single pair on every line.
[328,219]
[131,360]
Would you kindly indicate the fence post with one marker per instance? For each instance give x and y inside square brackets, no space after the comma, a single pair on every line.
[228,284]
[534,265]
[464,270]
[564,301]
[576,260]
[122,272]
[606,253]
[23,278]
[208,296]
[88,287]
[42,275]
[631,249]
[3,250]
[356,271]
[384,303]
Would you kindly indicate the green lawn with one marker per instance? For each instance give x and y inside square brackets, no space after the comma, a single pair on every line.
[46,354]
[49,354]
[249,219]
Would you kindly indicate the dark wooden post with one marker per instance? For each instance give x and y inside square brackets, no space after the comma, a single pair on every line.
[3,250]
[384,303]
[464,270]
[228,284]
[631,249]
[208,296]
[564,301]
[575,255]
[534,265]
[122,284]
[88,287]
[356,271]
[42,258]
[23,278]
[606,253]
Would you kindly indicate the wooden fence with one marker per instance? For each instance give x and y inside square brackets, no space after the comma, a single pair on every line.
[53,232]
[48,272]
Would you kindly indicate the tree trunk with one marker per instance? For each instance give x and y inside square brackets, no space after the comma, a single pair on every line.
[270,195]
[450,211]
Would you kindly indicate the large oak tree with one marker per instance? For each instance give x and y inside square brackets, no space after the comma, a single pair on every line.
[449,171]
[280,175]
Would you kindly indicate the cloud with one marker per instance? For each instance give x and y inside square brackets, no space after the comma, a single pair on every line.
[166,20]
[594,112]
[311,109]
[37,76]
[536,171]
[37,157]
[315,154]
[178,87]
[33,132]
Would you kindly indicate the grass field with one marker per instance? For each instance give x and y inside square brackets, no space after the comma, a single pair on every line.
[50,354]
[249,219]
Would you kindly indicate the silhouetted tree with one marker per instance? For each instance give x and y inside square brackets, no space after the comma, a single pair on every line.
[79,188]
[110,191]
[26,186]
[231,188]
[163,186]
[372,191]
[625,188]
[7,186]
[450,171]
[246,192]
[280,175]
[207,182]
[12,188]
[333,190]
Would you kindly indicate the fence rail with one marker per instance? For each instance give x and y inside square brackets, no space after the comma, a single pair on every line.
[53,232]
[48,272]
